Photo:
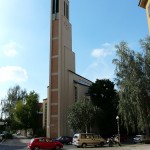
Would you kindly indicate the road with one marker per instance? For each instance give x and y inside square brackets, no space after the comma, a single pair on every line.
[20,144]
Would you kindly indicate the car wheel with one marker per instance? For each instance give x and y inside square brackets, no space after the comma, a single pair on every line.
[69,143]
[102,144]
[36,148]
[57,147]
[84,145]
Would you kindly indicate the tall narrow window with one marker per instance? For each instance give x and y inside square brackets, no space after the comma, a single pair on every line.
[64,8]
[55,6]
[75,93]
[67,15]
[45,114]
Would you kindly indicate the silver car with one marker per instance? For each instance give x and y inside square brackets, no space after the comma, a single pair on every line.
[138,138]
[1,138]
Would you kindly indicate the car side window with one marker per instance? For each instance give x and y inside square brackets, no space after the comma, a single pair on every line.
[48,140]
[41,140]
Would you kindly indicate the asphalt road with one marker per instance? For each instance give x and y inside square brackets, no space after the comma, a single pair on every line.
[20,144]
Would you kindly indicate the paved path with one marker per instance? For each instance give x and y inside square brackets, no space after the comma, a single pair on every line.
[24,141]
[16,142]
[124,147]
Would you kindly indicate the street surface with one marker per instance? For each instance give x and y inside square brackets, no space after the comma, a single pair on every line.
[20,144]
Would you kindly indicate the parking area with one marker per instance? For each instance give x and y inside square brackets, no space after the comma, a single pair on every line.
[24,141]
[124,147]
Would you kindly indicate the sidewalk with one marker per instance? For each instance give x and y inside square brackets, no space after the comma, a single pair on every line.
[16,141]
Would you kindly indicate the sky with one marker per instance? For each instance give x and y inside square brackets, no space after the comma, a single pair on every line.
[97,26]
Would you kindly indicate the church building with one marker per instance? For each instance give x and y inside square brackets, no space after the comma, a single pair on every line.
[65,85]
[146,5]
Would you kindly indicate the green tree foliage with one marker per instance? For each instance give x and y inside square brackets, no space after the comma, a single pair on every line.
[104,96]
[21,117]
[133,81]
[81,115]
[32,100]
[21,109]
[14,95]
[26,114]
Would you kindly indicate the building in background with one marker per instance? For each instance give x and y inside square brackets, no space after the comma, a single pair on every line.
[146,5]
[65,86]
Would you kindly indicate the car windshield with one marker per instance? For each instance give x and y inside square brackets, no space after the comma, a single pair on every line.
[59,138]
[138,136]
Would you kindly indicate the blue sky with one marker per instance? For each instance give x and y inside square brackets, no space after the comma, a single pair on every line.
[97,25]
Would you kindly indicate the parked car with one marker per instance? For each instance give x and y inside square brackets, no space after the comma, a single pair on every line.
[88,139]
[1,138]
[43,143]
[141,139]
[64,139]
[6,135]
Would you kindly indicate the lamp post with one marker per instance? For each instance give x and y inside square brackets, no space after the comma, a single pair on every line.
[6,125]
[117,118]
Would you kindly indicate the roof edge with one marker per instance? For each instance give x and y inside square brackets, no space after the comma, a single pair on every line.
[142,3]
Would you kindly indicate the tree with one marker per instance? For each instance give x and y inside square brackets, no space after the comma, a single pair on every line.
[26,114]
[81,115]
[104,96]
[21,109]
[133,81]
[21,116]
[32,100]
[14,95]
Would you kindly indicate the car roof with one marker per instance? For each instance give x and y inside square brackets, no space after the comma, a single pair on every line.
[41,138]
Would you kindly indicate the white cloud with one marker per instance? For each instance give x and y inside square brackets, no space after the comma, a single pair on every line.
[13,73]
[106,50]
[10,52]
[101,67]
[100,53]
[11,49]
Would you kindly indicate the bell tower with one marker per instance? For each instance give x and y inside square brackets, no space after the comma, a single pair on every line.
[146,5]
[62,59]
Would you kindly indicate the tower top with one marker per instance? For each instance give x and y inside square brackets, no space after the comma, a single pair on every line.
[142,3]
[60,8]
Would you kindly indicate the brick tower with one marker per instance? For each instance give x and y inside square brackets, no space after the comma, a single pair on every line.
[65,86]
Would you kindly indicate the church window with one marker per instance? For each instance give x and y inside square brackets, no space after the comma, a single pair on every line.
[75,93]
[67,11]
[64,8]
[55,6]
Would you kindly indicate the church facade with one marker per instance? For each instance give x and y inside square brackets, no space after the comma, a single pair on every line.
[146,5]
[65,85]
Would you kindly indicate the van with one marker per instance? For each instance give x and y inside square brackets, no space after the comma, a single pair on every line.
[87,139]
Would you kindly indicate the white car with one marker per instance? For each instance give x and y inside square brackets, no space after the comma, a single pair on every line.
[87,139]
[139,138]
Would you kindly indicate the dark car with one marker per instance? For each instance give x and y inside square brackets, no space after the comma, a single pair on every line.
[64,139]
[43,143]
[6,135]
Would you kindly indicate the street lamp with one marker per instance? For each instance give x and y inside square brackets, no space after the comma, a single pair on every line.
[6,125]
[117,117]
